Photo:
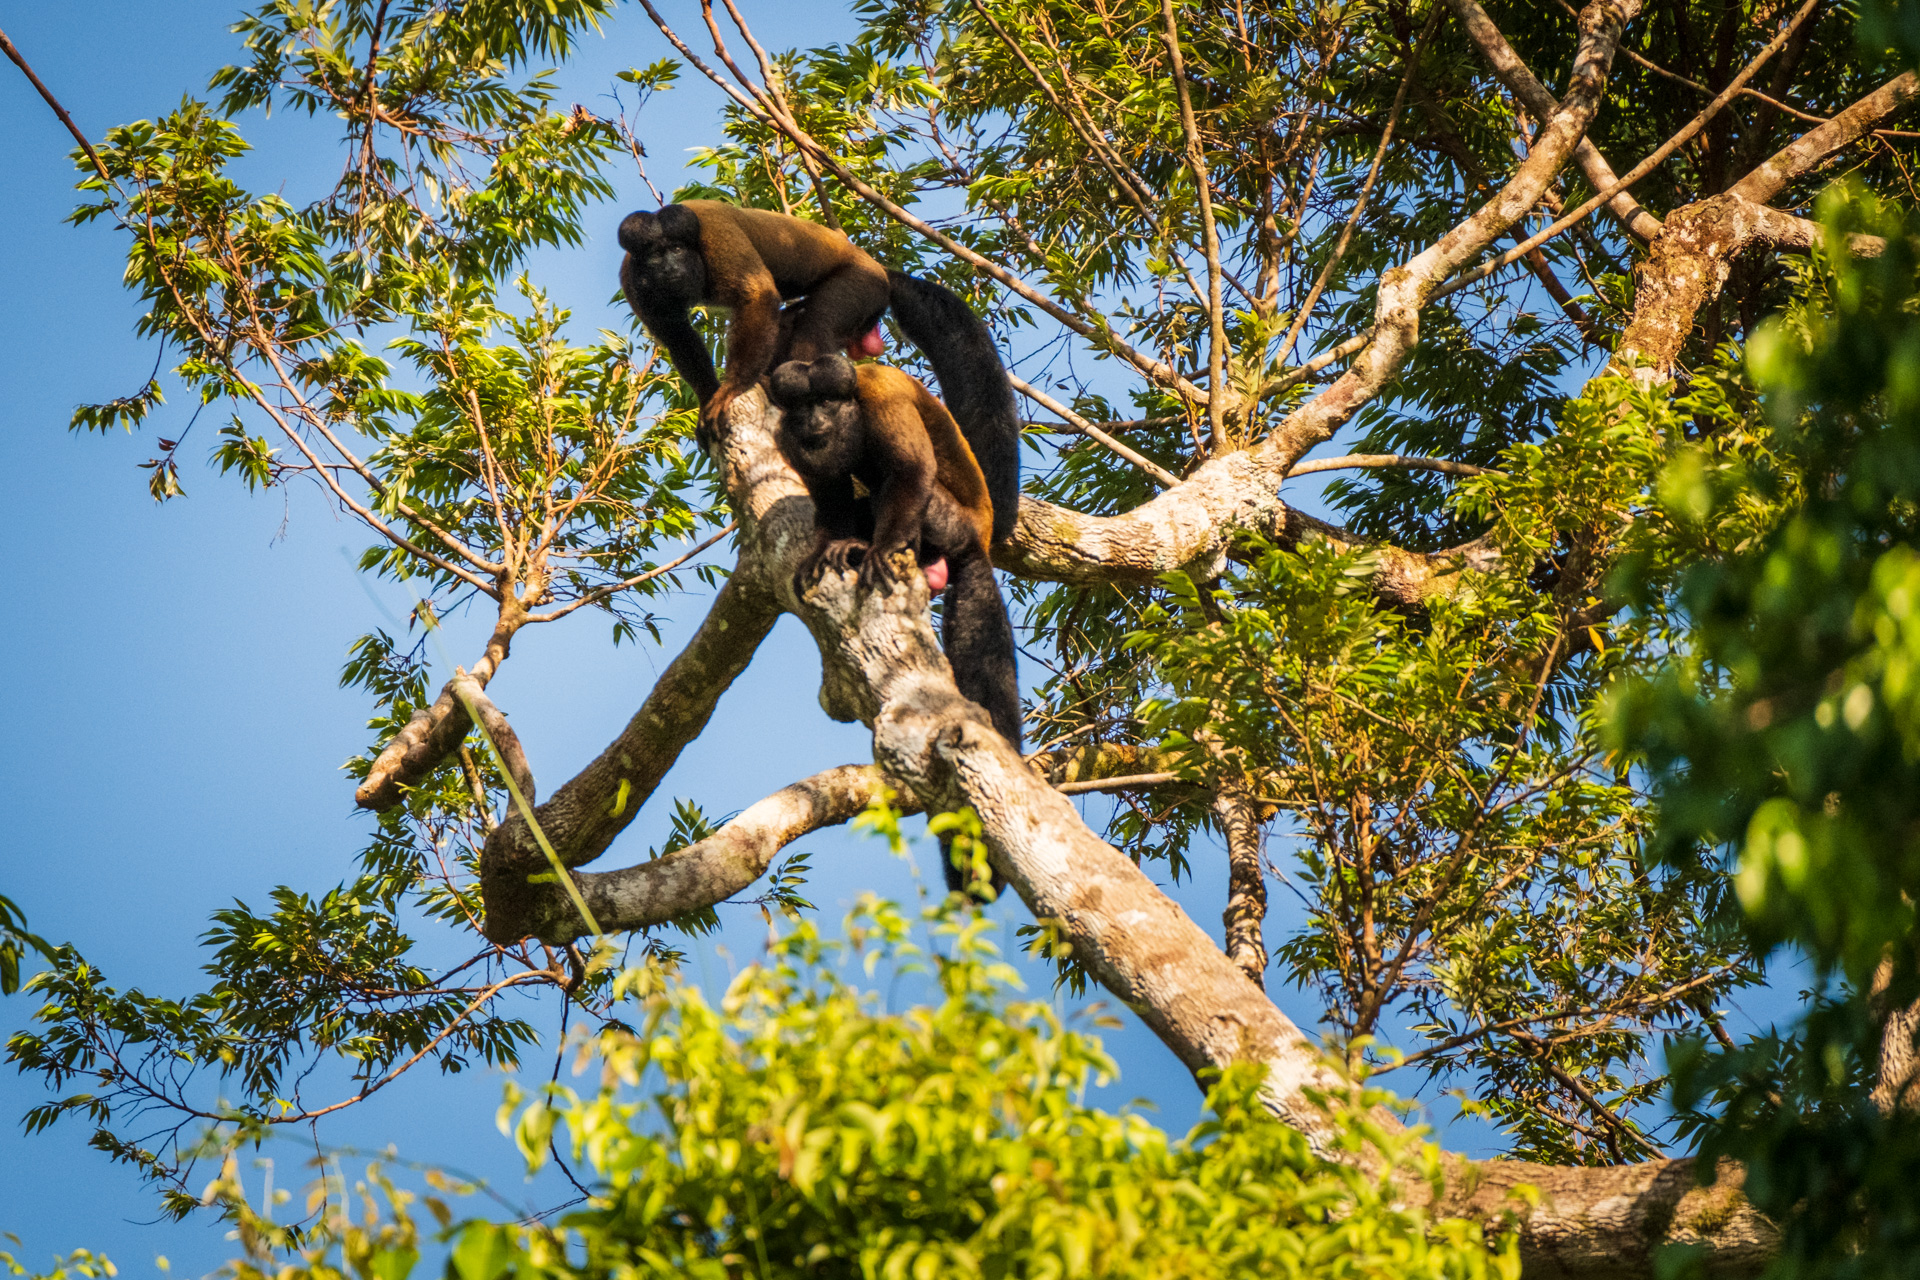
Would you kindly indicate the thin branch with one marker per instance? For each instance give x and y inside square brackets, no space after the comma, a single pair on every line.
[6,47]
[1133,782]
[1375,461]
[1640,170]
[1360,202]
[1209,238]
[601,593]
[1092,432]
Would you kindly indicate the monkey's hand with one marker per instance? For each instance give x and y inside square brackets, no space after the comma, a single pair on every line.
[837,554]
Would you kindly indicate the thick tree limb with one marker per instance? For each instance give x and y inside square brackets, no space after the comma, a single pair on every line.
[433,732]
[883,666]
[1191,526]
[583,816]
[720,866]
[1686,267]
[1612,1223]
[1798,158]
[1384,461]
[1515,74]
[1689,261]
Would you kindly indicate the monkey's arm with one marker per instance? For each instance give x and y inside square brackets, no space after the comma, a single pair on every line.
[752,338]
[836,528]
[674,330]
[738,280]
[900,457]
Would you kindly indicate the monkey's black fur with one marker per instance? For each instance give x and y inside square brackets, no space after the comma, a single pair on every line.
[836,426]
[664,276]
[973,382]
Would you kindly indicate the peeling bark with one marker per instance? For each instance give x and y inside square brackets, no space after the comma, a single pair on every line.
[1246,912]
[1612,1223]
[1687,266]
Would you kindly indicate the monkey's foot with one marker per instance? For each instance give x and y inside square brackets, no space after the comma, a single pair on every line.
[936,575]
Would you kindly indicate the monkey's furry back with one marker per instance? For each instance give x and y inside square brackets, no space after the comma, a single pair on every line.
[973,383]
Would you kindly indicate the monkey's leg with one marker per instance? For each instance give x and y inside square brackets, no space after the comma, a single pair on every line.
[846,305]
[752,337]
[899,468]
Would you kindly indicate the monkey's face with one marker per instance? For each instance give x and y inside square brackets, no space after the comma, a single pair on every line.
[664,265]
[821,431]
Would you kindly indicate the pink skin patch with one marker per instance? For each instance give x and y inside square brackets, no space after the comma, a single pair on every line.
[870,343]
[936,575]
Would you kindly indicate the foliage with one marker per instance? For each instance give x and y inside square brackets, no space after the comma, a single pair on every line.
[794,1131]
[80,1263]
[1783,743]
[493,459]
[15,944]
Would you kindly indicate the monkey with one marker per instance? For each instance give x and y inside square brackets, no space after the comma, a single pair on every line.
[842,422]
[748,260]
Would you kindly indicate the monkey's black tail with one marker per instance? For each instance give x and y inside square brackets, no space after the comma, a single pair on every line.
[978,637]
[973,383]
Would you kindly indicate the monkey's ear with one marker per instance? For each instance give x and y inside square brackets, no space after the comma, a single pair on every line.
[639,231]
[789,385]
[833,378]
[680,224]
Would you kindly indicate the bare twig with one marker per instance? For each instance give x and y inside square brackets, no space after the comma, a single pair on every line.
[1092,432]
[13,54]
[1376,461]
[1209,239]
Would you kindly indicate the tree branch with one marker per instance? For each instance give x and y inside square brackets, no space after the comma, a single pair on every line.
[582,818]
[14,55]
[1515,74]
[435,731]
[1246,912]
[714,869]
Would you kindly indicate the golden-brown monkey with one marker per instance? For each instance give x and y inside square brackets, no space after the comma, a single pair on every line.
[841,422]
[748,261]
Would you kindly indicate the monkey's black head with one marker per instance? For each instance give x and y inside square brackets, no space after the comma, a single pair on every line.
[821,430]
[664,266]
